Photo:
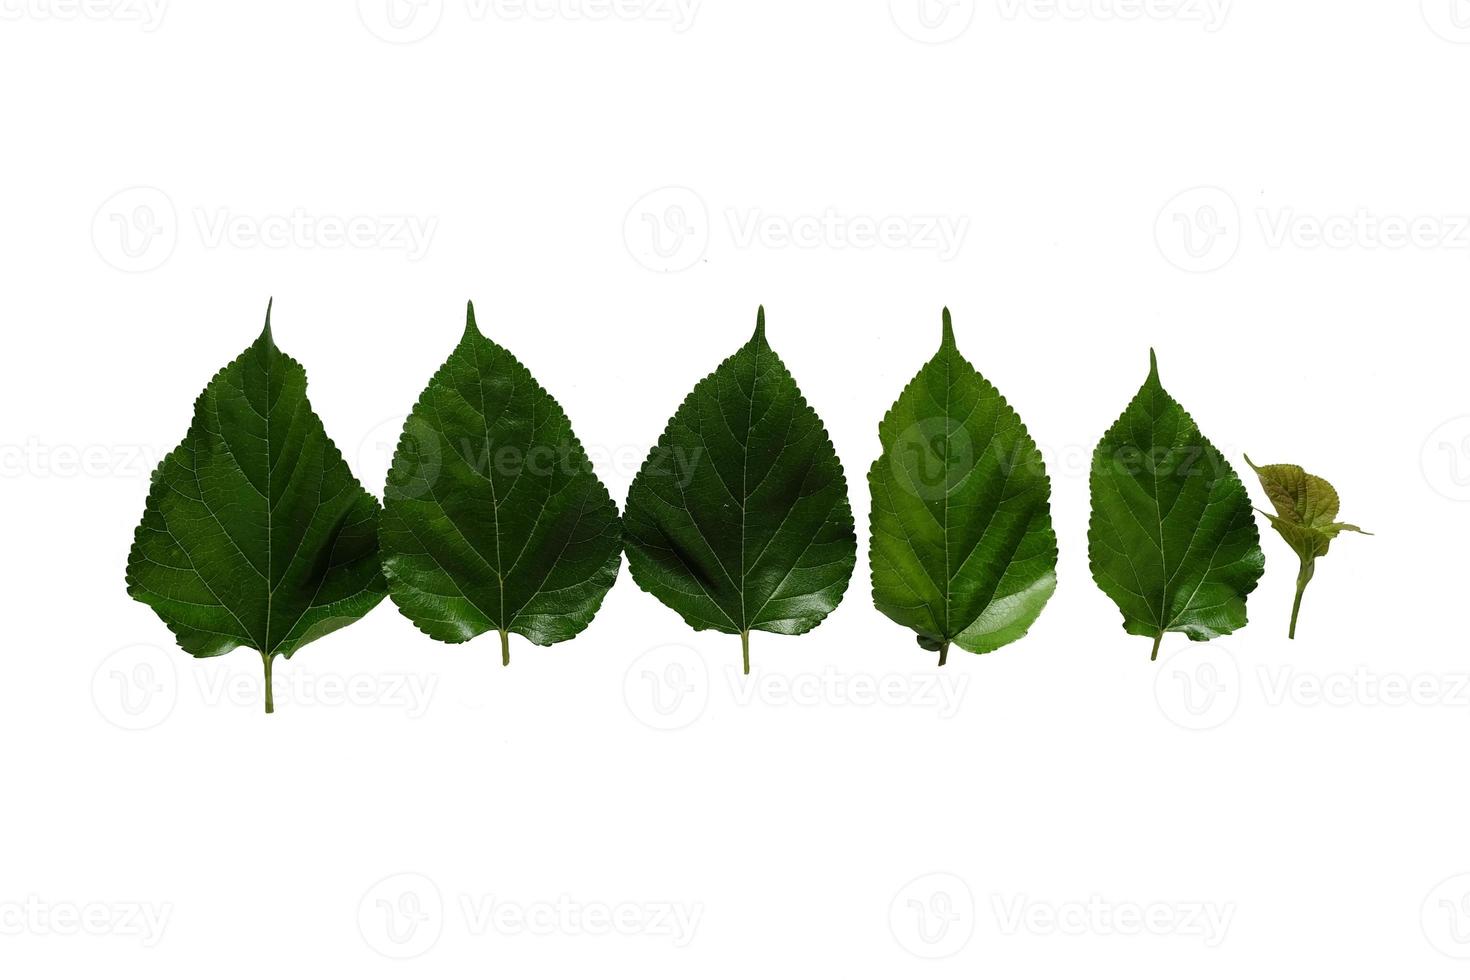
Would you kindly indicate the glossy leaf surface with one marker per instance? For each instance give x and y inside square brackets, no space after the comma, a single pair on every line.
[492,517]
[739,518]
[962,547]
[255,533]
[1172,539]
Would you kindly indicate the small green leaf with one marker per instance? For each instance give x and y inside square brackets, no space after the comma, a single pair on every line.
[739,518]
[493,518]
[1306,517]
[962,546]
[1172,539]
[255,532]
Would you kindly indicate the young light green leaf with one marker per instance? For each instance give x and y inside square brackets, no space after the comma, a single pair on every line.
[962,547]
[1306,516]
[1172,539]
[739,518]
[255,533]
[493,518]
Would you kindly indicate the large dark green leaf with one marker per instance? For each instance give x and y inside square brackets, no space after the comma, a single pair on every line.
[255,533]
[1306,517]
[962,545]
[492,517]
[739,518]
[1172,540]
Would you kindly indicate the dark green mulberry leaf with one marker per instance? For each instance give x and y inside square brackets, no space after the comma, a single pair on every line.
[1172,540]
[739,519]
[255,533]
[962,546]
[1306,516]
[493,518]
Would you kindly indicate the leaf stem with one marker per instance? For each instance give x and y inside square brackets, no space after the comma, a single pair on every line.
[943,649]
[504,649]
[745,648]
[270,694]
[1157,640]
[1302,578]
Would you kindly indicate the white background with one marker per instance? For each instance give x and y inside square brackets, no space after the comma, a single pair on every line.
[1228,183]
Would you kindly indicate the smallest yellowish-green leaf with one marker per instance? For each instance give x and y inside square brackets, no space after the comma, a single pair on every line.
[1306,517]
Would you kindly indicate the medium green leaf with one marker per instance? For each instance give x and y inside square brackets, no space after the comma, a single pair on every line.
[739,518]
[1172,539]
[1306,517]
[255,532]
[962,546]
[493,518]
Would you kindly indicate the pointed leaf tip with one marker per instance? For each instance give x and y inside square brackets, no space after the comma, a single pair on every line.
[470,326]
[947,337]
[760,323]
[1153,364]
[265,333]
